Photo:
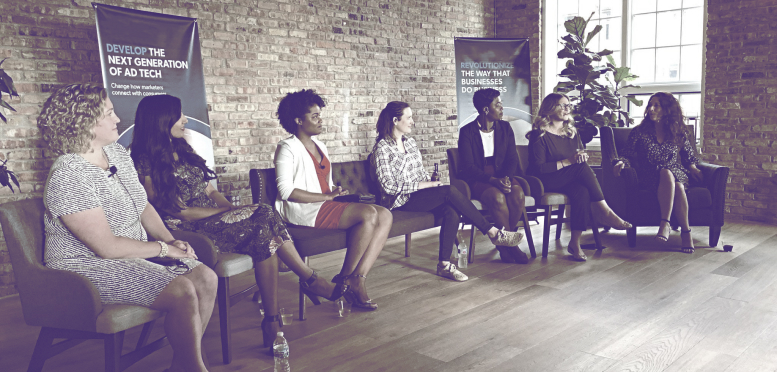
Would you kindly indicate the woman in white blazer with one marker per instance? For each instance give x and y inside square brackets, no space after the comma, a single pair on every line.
[306,193]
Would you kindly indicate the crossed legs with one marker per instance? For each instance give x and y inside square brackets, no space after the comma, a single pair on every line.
[188,300]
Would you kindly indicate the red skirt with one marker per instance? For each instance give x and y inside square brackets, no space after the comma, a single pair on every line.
[328,216]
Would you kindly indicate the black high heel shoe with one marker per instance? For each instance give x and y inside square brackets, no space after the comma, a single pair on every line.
[688,250]
[353,298]
[305,288]
[662,238]
[269,332]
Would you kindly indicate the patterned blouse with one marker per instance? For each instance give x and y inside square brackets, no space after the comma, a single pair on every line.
[398,173]
[648,157]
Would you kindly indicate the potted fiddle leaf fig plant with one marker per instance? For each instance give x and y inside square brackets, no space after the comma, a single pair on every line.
[597,100]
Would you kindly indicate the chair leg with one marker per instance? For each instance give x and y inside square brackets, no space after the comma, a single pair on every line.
[527,233]
[407,245]
[113,345]
[41,352]
[631,235]
[302,303]
[560,223]
[597,240]
[546,230]
[714,235]
[257,297]
[143,339]
[224,305]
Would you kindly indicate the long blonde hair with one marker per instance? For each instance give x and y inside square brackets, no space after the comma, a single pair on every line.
[542,121]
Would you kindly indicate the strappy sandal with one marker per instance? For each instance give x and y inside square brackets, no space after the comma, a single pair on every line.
[305,288]
[577,257]
[688,250]
[659,237]
[268,331]
[353,298]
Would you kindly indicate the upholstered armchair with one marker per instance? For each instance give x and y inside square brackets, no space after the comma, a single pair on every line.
[640,207]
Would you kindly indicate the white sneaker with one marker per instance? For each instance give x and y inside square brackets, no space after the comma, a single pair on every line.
[450,271]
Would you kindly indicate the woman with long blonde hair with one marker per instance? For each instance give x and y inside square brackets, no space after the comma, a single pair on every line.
[557,158]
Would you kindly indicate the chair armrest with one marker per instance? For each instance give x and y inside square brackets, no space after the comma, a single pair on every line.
[59,299]
[524,185]
[202,245]
[716,179]
[536,188]
[463,188]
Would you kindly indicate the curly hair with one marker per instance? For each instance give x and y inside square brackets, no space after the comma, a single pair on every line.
[671,118]
[153,143]
[385,125]
[69,115]
[542,120]
[483,98]
[295,105]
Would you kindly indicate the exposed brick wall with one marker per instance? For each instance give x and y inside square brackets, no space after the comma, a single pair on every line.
[740,120]
[359,54]
[523,19]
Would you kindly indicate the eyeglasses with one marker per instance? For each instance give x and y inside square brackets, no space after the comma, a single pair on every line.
[568,106]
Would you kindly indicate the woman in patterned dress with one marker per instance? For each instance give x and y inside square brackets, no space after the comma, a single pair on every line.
[306,193]
[661,153]
[177,182]
[98,223]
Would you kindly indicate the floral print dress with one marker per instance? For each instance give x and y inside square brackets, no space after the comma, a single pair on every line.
[257,234]
[648,157]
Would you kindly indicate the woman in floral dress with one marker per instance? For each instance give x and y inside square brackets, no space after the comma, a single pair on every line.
[661,153]
[178,184]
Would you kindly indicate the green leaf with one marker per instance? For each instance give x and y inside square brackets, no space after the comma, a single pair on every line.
[611,60]
[3,118]
[6,105]
[566,53]
[605,52]
[592,34]
[576,26]
[634,100]
[7,84]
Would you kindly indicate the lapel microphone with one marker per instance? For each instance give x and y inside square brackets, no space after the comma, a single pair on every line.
[113,171]
[322,166]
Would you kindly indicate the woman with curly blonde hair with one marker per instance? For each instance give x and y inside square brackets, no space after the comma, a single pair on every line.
[98,223]
[557,158]
[177,182]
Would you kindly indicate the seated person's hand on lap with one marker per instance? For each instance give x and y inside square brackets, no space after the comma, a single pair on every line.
[616,170]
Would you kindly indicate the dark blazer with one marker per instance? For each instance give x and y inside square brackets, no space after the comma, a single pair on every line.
[472,160]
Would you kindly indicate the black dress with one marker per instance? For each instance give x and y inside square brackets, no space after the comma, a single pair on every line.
[648,157]
[257,234]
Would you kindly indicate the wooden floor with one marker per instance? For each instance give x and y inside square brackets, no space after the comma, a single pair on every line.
[649,308]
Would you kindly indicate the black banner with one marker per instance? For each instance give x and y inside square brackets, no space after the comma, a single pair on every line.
[144,53]
[501,64]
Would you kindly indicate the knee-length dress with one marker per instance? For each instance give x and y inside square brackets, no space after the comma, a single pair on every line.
[257,234]
[649,157]
[75,185]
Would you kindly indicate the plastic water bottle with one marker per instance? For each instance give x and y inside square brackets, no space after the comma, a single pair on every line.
[280,349]
[463,254]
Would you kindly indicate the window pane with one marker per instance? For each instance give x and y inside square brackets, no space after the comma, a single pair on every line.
[610,36]
[611,8]
[643,6]
[643,64]
[567,9]
[690,64]
[643,31]
[667,4]
[589,6]
[668,64]
[616,55]
[693,27]
[668,28]
[691,104]
[690,3]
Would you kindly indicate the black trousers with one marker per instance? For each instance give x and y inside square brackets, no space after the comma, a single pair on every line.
[579,183]
[449,204]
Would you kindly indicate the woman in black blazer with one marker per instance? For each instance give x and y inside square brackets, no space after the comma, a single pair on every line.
[488,163]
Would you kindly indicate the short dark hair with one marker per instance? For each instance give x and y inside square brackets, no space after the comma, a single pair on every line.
[295,105]
[385,125]
[483,98]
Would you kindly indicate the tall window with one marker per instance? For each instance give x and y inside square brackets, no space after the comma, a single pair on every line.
[661,40]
